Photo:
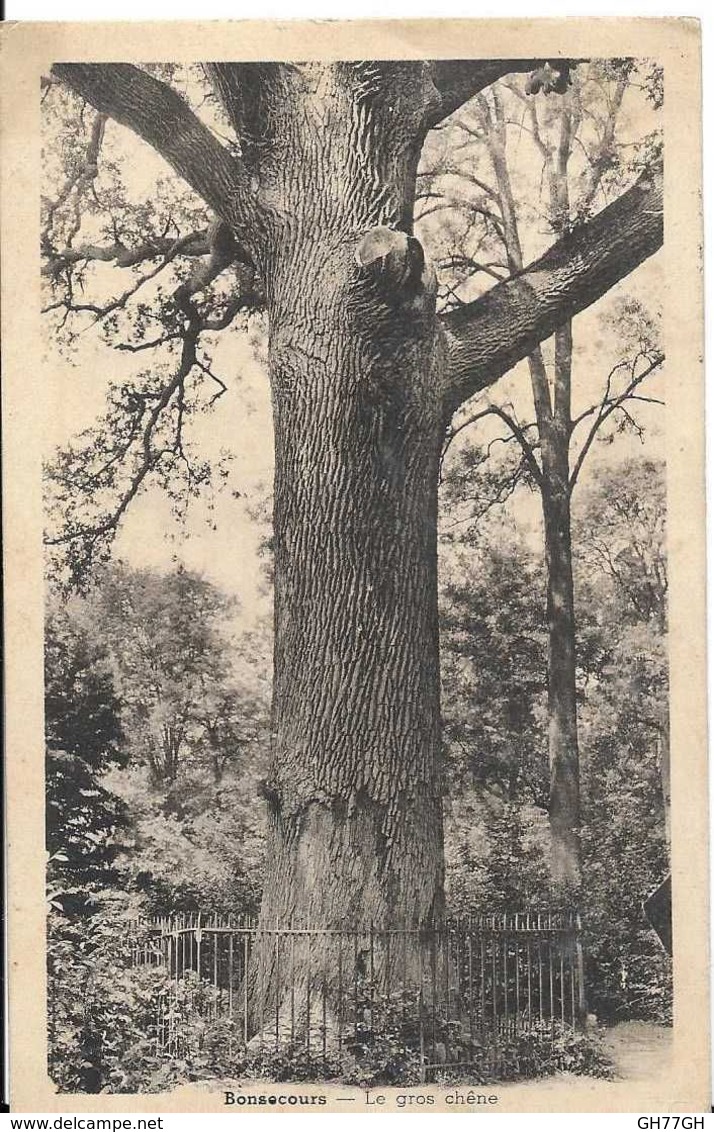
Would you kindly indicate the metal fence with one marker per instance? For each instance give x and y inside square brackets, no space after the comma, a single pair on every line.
[469,991]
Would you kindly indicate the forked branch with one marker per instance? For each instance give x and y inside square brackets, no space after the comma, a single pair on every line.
[159,116]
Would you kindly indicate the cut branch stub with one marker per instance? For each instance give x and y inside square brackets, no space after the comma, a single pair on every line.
[396,262]
[553,77]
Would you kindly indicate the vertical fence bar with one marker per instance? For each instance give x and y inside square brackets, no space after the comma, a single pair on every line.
[244,931]
[324,1005]
[482,950]
[550,986]
[561,942]
[198,936]
[447,976]
[580,971]
[506,1019]
[215,952]
[355,985]
[471,980]
[387,973]
[292,983]
[230,972]
[540,979]
[517,945]
[324,1022]
[571,980]
[339,990]
[405,938]
[494,983]
[529,964]
[457,985]
[434,979]
[422,1040]
[308,991]
[371,982]
[278,991]
[261,943]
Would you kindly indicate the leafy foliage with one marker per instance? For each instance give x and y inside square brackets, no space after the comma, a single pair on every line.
[493,653]
[138,262]
[626,729]
[493,667]
[84,739]
[194,702]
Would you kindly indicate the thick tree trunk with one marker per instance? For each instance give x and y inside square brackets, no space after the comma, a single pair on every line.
[355,824]
[355,821]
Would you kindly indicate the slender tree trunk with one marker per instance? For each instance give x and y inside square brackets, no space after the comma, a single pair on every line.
[562,706]
[563,747]
[553,411]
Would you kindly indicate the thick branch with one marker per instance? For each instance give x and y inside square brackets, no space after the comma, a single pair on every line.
[488,337]
[161,117]
[247,91]
[458,80]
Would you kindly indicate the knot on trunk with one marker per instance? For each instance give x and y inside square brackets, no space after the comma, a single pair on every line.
[396,263]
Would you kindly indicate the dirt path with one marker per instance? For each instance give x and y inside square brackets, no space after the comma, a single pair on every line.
[639,1050]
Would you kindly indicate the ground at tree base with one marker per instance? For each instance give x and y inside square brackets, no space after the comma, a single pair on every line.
[640,1053]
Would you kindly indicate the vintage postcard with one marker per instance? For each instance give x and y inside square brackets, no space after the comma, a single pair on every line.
[354,566]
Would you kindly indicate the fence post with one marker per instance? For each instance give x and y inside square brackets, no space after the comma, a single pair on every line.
[422,1051]
[580,972]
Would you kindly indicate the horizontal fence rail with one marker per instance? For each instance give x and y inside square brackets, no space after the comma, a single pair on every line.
[465,992]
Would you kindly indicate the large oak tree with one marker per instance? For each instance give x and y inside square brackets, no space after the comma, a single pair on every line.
[312,201]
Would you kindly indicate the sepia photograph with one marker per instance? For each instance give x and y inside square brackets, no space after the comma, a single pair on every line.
[366,562]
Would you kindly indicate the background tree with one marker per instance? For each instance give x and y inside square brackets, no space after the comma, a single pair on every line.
[576,140]
[84,738]
[494,687]
[86,831]
[493,656]
[493,666]
[193,698]
[622,576]
[621,537]
[167,637]
[312,188]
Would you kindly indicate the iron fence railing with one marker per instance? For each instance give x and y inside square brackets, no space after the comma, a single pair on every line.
[462,992]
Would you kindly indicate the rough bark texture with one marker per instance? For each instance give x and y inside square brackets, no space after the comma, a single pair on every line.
[354,794]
